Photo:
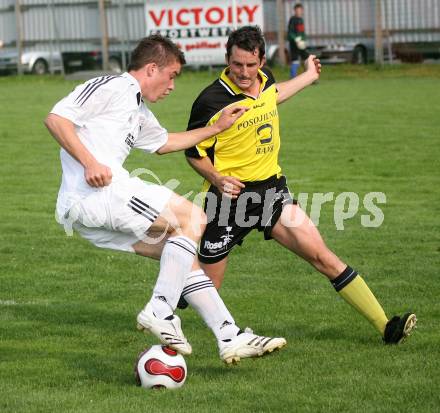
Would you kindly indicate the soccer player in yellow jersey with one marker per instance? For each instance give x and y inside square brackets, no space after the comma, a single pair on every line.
[245,187]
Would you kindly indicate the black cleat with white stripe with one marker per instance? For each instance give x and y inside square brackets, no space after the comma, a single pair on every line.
[399,328]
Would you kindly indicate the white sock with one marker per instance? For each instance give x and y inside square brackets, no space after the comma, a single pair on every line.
[175,263]
[201,294]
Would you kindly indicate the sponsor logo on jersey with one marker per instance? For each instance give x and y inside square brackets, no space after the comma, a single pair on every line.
[256,120]
[262,150]
[264,133]
[129,140]
[264,139]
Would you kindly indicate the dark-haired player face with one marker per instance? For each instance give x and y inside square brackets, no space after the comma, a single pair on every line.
[243,68]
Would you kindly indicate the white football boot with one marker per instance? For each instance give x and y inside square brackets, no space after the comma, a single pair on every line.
[271,344]
[169,332]
[247,344]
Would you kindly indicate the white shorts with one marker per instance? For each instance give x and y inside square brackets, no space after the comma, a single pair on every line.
[119,215]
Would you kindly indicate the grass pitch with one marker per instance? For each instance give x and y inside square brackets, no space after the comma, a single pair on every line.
[67,310]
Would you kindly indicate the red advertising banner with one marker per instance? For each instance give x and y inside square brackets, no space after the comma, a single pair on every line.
[201,28]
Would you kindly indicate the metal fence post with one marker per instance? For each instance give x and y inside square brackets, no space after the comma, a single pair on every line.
[19,42]
[124,36]
[378,35]
[50,11]
[104,34]
[56,33]
[281,36]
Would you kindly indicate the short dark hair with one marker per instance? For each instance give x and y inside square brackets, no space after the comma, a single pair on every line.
[155,49]
[298,6]
[247,38]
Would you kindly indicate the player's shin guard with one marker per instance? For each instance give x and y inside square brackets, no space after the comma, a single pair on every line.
[201,294]
[175,263]
[353,289]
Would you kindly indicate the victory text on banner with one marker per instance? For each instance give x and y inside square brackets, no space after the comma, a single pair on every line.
[201,28]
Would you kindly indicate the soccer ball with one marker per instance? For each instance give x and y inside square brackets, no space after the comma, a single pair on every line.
[160,366]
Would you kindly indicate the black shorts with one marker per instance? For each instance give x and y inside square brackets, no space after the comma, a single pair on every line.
[259,206]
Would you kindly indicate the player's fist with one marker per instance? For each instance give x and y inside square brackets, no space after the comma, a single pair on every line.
[228,186]
[97,175]
[313,66]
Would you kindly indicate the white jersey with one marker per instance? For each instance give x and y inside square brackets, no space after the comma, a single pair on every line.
[110,118]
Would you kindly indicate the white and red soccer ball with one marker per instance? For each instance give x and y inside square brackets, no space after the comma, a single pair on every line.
[160,366]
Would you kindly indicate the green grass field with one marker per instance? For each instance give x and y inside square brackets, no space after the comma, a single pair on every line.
[67,310]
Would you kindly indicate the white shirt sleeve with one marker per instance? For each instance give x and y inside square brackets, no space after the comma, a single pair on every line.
[84,102]
[152,135]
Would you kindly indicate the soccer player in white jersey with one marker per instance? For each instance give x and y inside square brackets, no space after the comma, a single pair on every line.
[97,125]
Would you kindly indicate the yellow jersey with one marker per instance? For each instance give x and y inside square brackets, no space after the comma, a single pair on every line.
[249,149]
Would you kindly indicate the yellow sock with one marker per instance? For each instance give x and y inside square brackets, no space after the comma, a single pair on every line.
[353,289]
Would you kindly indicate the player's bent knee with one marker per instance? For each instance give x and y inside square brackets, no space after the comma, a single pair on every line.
[149,250]
[198,220]
[192,219]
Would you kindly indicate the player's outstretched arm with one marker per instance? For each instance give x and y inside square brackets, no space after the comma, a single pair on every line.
[63,130]
[290,87]
[183,140]
[227,185]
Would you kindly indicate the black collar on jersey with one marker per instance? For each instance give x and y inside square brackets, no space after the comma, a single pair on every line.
[233,89]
